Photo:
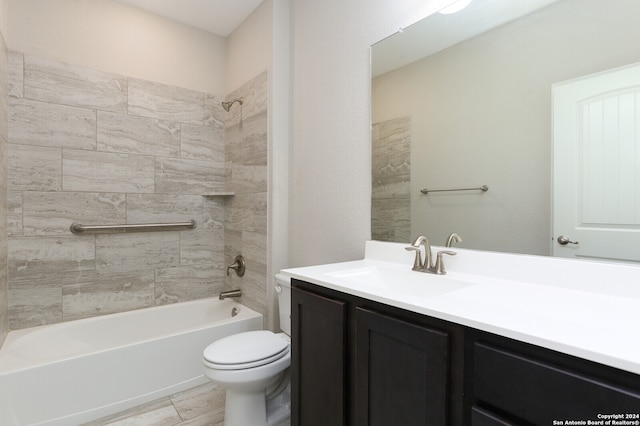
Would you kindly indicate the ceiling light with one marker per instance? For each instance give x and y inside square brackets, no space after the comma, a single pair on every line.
[455,7]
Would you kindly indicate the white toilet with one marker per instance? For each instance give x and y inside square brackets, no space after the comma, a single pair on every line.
[254,368]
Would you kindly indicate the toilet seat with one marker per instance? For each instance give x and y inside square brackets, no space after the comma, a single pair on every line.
[245,350]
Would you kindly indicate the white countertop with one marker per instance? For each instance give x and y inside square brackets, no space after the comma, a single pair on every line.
[586,309]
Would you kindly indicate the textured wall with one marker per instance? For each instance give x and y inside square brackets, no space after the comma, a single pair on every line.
[331,128]
[101,148]
[115,37]
[247,174]
[4,106]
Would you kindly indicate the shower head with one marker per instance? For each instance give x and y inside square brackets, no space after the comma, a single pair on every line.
[227,105]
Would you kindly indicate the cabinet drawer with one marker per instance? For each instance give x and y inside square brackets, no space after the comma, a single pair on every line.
[480,417]
[537,392]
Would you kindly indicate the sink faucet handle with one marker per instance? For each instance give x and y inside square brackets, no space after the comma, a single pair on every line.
[417,263]
[439,266]
[453,237]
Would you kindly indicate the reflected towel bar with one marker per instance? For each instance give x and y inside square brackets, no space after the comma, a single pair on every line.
[483,188]
[77,228]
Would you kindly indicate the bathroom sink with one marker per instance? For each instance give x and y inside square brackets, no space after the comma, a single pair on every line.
[383,277]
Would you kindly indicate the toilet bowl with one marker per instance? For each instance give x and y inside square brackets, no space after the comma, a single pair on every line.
[253,367]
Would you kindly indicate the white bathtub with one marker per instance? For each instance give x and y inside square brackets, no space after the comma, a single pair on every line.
[77,371]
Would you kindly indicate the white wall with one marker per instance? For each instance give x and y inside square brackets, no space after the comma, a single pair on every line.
[121,39]
[331,182]
[3,18]
[261,43]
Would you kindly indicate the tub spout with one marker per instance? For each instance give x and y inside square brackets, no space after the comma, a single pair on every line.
[230,293]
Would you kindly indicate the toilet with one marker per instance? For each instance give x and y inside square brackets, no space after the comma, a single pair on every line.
[253,367]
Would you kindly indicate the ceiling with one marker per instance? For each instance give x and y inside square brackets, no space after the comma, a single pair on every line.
[219,17]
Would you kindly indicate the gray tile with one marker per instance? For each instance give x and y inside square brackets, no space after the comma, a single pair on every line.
[48,261]
[34,306]
[107,172]
[201,246]
[57,126]
[138,135]
[14,213]
[255,95]
[52,213]
[154,208]
[185,283]
[15,73]
[207,399]
[247,212]
[157,413]
[102,294]
[254,246]
[248,178]
[136,251]
[391,149]
[34,168]
[202,142]
[213,212]
[56,82]
[213,111]
[390,219]
[178,176]
[4,162]
[155,100]
[247,144]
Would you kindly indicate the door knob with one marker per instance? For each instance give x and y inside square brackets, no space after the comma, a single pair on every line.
[565,240]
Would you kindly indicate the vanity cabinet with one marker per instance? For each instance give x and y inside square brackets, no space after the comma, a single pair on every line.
[401,371]
[318,359]
[516,383]
[357,362]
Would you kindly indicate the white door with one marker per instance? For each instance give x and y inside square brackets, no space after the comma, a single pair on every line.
[596,182]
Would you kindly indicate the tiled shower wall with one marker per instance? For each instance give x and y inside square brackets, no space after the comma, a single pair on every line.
[96,148]
[391,180]
[4,106]
[247,173]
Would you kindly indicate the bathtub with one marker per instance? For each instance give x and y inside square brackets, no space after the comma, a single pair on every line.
[78,371]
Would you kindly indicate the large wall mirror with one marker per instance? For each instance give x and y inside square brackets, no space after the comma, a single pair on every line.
[464,100]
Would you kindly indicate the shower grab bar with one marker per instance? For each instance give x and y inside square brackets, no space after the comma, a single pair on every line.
[77,228]
[483,188]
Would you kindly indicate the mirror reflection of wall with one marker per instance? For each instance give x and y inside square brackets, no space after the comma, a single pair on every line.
[481,115]
[391,180]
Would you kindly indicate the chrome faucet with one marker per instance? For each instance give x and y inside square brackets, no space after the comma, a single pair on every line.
[230,293]
[418,264]
[453,237]
[427,265]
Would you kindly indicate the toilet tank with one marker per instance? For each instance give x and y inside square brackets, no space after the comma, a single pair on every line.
[283,290]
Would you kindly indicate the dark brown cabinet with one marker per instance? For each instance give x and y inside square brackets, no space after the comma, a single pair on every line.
[359,362]
[532,385]
[318,361]
[401,372]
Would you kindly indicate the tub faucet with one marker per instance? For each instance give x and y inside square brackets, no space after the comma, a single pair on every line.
[230,293]
[453,237]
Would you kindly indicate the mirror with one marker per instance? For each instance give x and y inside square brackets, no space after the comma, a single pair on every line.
[469,104]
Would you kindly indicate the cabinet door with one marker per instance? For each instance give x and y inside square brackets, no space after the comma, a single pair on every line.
[318,361]
[401,372]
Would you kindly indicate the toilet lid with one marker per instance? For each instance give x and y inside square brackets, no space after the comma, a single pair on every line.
[246,350]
